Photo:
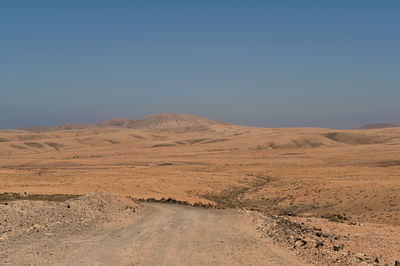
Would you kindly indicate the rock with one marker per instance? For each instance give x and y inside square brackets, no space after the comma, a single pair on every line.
[319,244]
[337,248]
[359,256]
[397,263]
[300,242]
[37,226]
[319,234]
[376,260]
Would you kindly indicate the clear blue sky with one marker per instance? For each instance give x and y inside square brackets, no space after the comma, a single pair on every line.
[268,63]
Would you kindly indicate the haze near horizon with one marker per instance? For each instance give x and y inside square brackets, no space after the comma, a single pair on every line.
[280,64]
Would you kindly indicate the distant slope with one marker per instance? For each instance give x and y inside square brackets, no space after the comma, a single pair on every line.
[38,129]
[115,122]
[378,125]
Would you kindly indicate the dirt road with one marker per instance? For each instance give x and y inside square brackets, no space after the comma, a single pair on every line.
[166,235]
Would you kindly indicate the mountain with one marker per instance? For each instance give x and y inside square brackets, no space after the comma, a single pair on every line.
[378,125]
[172,121]
[157,121]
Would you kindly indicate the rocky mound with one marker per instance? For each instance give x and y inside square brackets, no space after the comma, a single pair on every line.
[26,217]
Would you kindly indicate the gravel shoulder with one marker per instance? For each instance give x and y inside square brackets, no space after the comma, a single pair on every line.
[325,242]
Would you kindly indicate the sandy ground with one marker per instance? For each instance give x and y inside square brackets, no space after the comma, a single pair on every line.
[307,172]
[160,234]
[346,176]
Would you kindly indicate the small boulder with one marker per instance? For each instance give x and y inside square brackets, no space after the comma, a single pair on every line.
[337,248]
[319,244]
[359,256]
[300,242]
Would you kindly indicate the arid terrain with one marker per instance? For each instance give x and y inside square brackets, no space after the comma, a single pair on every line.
[327,177]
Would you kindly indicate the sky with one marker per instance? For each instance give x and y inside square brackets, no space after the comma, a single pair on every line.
[332,64]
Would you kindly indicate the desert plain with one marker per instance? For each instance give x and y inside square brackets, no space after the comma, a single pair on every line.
[342,176]
[302,171]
